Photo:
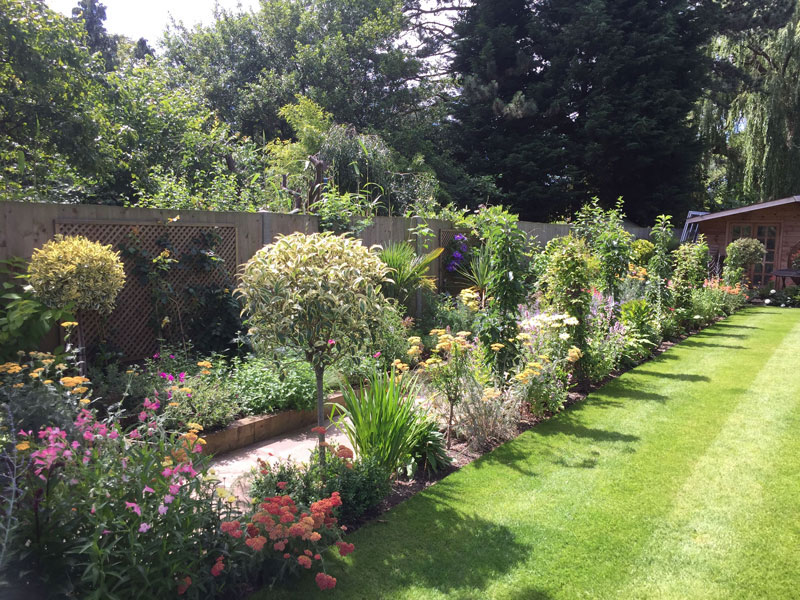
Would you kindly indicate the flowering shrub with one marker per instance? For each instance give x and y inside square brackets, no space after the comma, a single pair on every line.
[547,359]
[137,514]
[605,337]
[456,253]
[691,268]
[741,254]
[449,367]
[361,483]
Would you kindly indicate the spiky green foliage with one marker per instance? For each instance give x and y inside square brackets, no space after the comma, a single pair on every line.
[407,271]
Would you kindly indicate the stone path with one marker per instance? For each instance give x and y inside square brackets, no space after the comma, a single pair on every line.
[233,468]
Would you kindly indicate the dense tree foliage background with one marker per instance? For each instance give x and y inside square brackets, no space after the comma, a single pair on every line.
[378,106]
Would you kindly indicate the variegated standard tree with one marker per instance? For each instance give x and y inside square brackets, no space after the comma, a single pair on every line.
[318,293]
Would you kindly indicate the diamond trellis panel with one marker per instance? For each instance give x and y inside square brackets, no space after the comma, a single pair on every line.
[129,328]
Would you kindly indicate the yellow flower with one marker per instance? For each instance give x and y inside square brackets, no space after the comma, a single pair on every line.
[415,340]
[19,385]
[80,390]
[48,381]
[61,366]
[173,404]
[33,375]
[463,334]
[47,361]
[231,499]
[574,354]
[204,363]
[496,347]
[194,426]
[68,324]
[414,351]
[84,401]
[23,445]
[205,372]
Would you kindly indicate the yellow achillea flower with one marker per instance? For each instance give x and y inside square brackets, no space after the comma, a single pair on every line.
[85,401]
[24,445]
[173,404]
[194,426]
[496,347]
[68,324]
[204,363]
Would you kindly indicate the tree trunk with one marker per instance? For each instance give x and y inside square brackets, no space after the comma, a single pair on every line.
[319,371]
[450,426]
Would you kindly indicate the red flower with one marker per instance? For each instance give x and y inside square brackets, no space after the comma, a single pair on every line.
[233,528]
[344,452]
[282,485]
[319,430]
[345,548]
[184,585]
[304,560]
[325,581]
[218,567]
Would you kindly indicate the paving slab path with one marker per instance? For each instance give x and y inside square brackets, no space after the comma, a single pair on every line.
[233,468]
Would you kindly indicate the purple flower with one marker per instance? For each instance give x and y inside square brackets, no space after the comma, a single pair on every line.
[172,356]
[451,267]
[168,499]
[144,527]
[156,355]
[459,237]
[162,510]
[457,255]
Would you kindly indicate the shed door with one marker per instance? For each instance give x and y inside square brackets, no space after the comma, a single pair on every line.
[760,273]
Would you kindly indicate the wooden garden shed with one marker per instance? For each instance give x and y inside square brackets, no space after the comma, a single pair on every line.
[776,224]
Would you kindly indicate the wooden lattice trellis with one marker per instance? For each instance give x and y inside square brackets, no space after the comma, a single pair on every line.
[130,326]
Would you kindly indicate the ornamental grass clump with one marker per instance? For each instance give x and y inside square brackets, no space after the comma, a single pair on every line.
[73,271]
[319,294]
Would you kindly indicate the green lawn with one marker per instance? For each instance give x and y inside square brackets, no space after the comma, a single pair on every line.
[677,480]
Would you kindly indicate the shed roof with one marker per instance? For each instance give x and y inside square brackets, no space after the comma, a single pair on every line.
[743,209]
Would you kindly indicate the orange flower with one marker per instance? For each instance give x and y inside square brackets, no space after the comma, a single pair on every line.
[304,561]
[256,543]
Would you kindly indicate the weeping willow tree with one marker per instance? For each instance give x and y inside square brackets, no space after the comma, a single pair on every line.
[753,134]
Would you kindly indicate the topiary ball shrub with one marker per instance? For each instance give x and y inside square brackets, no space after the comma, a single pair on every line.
[71,270]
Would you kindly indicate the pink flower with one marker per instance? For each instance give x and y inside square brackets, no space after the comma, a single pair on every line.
[142,416]
[168,499]
[134,507]
[88,436]
[174,489]
[148,489]
[134,435]
[331,342]
[113,435]
[167,472]
[172,356]
[377,354]
[162,510]
[156,355]
[144,527]
[181,377]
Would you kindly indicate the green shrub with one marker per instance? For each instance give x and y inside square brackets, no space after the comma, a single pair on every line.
[199,399]
[741,254]
[691,269]
[24,318]
[641,252]
[641,329]
[659,268]
[72,271]
[261,386]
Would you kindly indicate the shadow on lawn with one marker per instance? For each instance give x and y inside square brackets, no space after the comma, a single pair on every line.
[691,343]
[455,553]
[678,376]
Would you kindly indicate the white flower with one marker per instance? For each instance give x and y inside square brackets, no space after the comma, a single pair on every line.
[783,306]
[772,291]
[563,336]
[767,301]
[698,317]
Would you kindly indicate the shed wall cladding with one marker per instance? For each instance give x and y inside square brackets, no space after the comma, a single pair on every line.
[720,232]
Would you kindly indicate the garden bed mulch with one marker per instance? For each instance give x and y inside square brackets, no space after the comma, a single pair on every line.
[461,455]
